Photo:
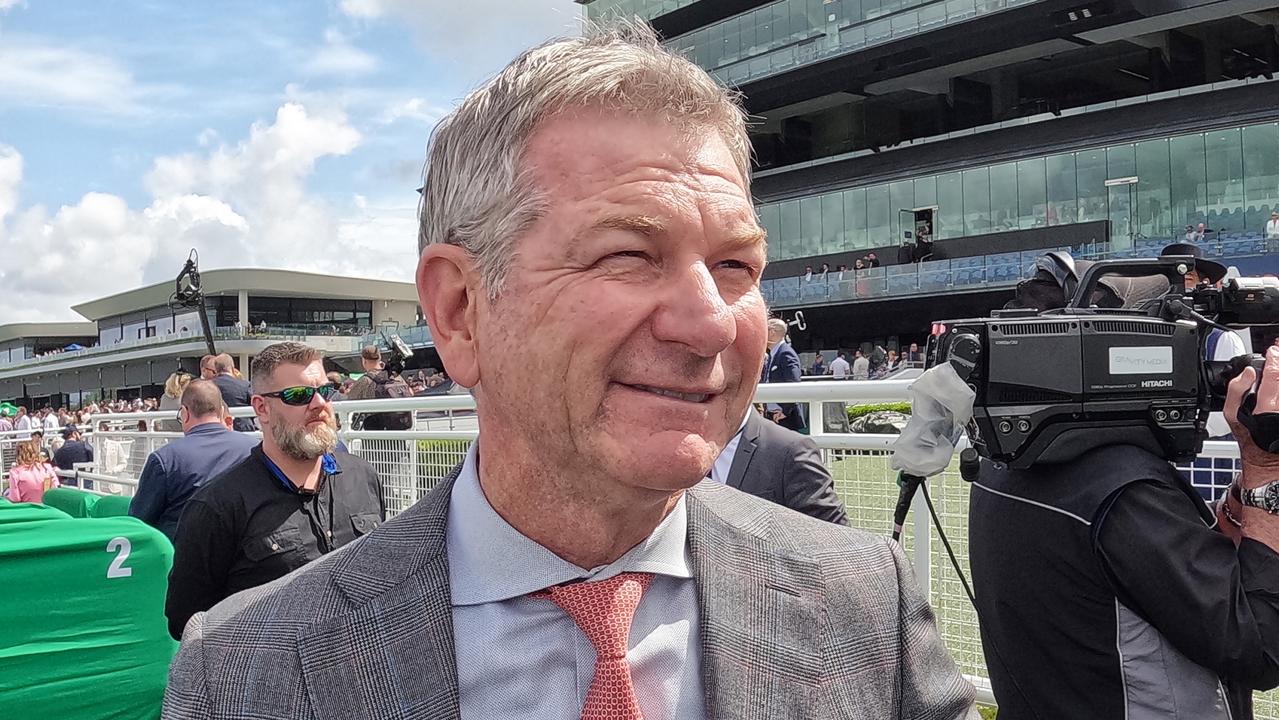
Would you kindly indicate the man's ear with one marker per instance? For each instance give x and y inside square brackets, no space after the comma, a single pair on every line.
[449,291]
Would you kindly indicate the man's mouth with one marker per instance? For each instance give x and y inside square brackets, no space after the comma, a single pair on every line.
[693,397]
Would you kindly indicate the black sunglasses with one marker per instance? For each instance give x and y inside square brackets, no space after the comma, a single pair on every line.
[302,394]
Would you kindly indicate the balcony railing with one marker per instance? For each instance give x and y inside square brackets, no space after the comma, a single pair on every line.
[976,273]
[271,332]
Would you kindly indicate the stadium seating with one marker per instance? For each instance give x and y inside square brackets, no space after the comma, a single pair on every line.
[110,506]
[88,638]
[27,512]
[74,502]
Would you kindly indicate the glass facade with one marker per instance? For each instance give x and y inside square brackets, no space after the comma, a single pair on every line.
[790,33]
[303,312]
[1227,179]
[647,9]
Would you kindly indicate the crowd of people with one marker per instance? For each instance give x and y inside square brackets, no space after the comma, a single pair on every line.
[866,262]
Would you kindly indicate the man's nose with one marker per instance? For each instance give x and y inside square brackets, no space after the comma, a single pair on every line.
[693,313]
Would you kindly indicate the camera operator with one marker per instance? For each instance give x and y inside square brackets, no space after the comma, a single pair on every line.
[379,382]
[1107,589]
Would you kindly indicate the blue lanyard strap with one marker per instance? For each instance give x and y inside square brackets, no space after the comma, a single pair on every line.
[328,466]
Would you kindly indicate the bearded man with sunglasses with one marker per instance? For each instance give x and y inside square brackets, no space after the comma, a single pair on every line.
[295,498]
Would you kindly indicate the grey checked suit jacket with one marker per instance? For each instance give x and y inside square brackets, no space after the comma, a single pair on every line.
[800,619]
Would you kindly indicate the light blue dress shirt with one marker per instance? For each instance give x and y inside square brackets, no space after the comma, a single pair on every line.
[521,657]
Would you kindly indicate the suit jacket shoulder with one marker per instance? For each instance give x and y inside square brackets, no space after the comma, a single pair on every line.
[847,622]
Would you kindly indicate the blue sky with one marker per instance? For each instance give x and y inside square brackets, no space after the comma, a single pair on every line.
[273,134]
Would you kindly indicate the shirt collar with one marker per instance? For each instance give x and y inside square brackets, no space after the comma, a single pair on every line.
[328,467]
[490,561]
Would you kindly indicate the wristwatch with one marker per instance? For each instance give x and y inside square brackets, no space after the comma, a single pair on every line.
[1265,497]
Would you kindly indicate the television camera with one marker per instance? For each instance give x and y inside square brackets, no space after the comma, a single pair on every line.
[1052,384]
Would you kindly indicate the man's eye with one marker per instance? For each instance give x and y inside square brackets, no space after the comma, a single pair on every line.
[629,254]
[738,265]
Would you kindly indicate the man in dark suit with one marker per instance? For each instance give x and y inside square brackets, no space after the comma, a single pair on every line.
[578,563]
[235,391]
[782,366]
[769,461]
[174,472]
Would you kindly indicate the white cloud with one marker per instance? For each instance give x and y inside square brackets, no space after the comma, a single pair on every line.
[339,57]
[10,178]
[242,204]
[7,5]
[39,73]
[417,109]
[477,35]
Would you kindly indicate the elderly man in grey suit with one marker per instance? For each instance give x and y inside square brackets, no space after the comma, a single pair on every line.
[591,271]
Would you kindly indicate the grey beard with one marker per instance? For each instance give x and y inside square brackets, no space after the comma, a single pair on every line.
[301,444]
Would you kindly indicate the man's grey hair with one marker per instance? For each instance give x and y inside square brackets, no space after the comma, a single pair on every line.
[777,326]
[273,356]
[480,195]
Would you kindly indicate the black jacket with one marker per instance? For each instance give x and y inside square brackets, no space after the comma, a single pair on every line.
[785,467]
[782,366]
[244,528]
[1105,591]
[236,393]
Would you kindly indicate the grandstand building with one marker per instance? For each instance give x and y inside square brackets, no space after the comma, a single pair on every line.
[991,130]
[130,342]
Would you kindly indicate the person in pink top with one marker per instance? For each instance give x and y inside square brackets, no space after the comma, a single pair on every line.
[29,476]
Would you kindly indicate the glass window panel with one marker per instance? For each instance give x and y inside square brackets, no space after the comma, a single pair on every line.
[1224,150]
[1090,185]
[855,218]
[1154,206]
[1260,173]
[977,201]
[926,191]
[1189,180]
[810,223]
[950,206]
[901,196]
[1003,197]
[770,218]
[833,234]
[878,227]
[1121,163]
[1060,170]
[1032,194]
[791,235]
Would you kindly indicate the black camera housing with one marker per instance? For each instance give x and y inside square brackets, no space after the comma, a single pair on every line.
[1052,385]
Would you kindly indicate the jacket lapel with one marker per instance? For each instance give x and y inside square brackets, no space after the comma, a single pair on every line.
[745,449]
[393,655]
[761,619]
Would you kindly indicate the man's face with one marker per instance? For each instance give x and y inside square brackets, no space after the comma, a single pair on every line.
[631,324]
[304,432]
[207,372]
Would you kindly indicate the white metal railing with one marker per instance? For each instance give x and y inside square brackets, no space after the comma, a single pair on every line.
[411,462]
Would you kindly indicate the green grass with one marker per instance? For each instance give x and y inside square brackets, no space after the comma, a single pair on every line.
[856,411]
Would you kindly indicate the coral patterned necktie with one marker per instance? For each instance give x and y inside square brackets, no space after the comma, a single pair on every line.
[603,612]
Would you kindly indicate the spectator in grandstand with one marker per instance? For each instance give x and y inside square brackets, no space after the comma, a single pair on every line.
[914,355]
[872,260]
[1272,227]
[825,271]
[892,363]
[235,391]
[808,273]
[839,366]
[1189,235]
[1201,231]
[49,420]
[172,400]
[74,449]
[861,366]
[590,270]
[781,466]
[782,366]
[176,470]
[860,264]
[819,365]
[30,475]
[6,425]
[293,499]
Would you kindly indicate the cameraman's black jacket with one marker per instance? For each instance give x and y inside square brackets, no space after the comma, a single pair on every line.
[1105,591]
